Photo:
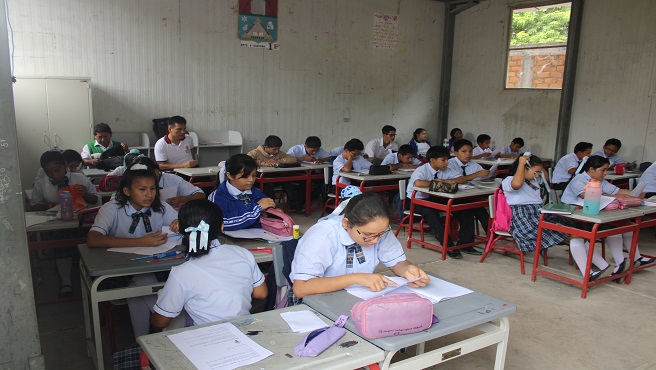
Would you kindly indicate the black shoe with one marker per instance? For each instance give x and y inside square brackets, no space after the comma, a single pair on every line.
[642,262]
[600,274]
[472,250]
[456,255]
[623,266]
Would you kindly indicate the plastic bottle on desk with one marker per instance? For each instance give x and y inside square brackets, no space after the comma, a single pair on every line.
[592,197]
[66,206]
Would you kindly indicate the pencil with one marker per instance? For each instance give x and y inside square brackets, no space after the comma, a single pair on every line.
[268,233]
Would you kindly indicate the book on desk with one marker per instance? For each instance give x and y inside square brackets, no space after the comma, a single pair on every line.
[561,209]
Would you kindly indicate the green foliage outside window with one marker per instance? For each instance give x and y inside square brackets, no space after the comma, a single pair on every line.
[540,25]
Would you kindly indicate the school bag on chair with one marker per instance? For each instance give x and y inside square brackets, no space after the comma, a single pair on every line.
[502,212]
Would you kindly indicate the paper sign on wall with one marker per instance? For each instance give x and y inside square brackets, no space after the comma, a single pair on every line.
[258,24]
[386,31]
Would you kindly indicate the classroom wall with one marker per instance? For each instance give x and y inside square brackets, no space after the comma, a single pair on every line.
[154,58]
[615,82]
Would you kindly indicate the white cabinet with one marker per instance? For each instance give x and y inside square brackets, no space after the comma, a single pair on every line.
[51,112]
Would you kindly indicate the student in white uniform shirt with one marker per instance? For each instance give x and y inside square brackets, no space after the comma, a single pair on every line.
[404,158]
[218,281]
[435,168]
[345,250]
[649,177]
[596,168]
[311,151]
[567,165]
[73,162]
[378,149]
[610,149]
[512,150]
[135,219]
[176,148]
[349,160]
[420,142]
[483,150]
[182,191]
[45,193]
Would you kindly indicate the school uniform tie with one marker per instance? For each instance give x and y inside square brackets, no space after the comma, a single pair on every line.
[354,250]
[436,174]
[245,198]
[135,221]
[61,183]
[464,173]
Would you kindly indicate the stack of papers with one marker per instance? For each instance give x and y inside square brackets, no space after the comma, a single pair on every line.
[437,290]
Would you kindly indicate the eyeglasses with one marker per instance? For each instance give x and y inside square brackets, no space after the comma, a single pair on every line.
[368,238]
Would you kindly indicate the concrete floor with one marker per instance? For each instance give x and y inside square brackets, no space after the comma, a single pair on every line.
[613,328]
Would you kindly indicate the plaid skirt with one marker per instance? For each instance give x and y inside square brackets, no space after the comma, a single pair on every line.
[524,228]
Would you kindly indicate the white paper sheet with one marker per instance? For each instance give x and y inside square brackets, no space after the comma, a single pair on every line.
[436,290]
[366,172]
[172,240]
[303,321]
[217,347]
[31,220]
[638,189]
[465,186]
[257,233]
[495,152]
[492,169]
[406,169]
[580,167]
[167,193]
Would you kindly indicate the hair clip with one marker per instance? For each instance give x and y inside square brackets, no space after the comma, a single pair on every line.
[139,166]
[204,229]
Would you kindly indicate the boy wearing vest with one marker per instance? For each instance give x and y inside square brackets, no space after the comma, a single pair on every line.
[102,135]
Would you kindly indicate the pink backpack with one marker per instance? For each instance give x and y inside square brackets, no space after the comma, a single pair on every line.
[277,222]
[502,212]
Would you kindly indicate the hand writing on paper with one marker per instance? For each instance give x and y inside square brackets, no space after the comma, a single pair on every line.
[175,226]
[152,239]
[412,273]
[375,282]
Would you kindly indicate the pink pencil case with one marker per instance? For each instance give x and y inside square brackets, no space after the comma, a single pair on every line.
[392,314]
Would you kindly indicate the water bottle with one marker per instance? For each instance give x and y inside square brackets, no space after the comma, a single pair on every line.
[592,197]
[66,206]
[445,142]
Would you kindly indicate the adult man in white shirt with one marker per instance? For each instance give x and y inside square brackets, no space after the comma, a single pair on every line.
[378,149]
[176,149]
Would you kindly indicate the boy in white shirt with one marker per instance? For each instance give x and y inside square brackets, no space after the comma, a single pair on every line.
[378,149]
[404,158]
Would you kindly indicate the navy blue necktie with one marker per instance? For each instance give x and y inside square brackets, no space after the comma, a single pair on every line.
[464,173]
[62,183]
[245,198]
[354,250]
[135,221]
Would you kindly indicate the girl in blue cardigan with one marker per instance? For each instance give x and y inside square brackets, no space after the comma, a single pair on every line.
[241,204]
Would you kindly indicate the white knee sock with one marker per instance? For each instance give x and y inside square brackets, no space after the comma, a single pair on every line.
[627,238]
[64,270]
[597,259]
[580,254]
[141,307]
[616,248]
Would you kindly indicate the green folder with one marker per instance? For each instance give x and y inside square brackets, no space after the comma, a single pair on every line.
[563,209]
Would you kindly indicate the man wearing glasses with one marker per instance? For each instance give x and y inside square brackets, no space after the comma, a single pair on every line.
[378,149]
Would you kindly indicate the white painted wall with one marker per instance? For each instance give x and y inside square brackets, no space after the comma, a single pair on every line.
[615,84]
[154,58]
